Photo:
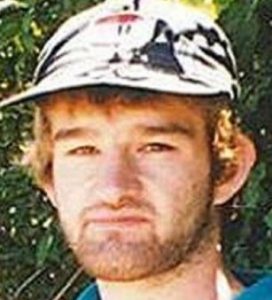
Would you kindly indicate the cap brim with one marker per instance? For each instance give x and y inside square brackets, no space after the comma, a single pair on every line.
[182,87]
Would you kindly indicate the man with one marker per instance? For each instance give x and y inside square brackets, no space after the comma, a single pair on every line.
[136,146]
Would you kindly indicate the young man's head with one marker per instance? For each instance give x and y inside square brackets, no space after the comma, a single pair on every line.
[136,142]
[136,176]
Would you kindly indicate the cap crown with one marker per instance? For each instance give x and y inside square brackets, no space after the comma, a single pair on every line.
[151,44]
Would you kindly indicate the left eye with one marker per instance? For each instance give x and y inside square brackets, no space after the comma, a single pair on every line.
[84,150]
[157,147]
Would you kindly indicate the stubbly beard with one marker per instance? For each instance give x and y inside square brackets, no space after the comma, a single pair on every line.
[114,258]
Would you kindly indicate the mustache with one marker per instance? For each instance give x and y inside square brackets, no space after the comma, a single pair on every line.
[126,205]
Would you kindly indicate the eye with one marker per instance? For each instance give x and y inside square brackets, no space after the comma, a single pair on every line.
[84,150]
[157,148]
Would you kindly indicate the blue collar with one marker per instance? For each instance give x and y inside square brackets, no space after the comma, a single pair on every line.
[262,290]
[90,293]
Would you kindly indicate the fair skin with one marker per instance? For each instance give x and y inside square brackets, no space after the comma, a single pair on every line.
[132,187]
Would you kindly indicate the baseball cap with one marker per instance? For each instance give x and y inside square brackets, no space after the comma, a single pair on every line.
[156,45]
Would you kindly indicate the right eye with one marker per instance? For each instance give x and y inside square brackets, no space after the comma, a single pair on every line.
[84,150]
[157,148]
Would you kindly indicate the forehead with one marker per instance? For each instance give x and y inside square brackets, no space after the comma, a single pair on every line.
[78,109]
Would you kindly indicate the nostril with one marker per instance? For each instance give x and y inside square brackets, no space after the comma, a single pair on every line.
[116,197]
[124,201]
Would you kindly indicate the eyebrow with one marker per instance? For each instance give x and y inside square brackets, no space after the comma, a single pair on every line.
[169,128]
[76,132]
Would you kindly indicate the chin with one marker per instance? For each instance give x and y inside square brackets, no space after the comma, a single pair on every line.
[117,265]
[112,261]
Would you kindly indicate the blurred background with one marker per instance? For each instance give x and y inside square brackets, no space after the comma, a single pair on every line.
[34,261]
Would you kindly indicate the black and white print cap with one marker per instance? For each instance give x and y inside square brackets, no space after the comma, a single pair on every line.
[151,44]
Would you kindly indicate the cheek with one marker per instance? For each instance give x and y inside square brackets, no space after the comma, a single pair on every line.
[73,192]
[175,173]
[177,187]
[73,178]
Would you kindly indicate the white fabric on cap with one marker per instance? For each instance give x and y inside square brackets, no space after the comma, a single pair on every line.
[162,45]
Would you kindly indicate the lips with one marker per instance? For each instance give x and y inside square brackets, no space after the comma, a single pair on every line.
[110,218]
[121,219]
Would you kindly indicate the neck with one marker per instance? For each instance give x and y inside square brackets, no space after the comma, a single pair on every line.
[203,275]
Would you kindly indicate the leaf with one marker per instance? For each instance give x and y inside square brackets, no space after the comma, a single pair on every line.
[43,249]
[268,219]
[4,4]
[253,192]
[208,7]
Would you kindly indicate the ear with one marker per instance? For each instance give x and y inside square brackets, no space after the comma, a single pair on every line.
[245,158]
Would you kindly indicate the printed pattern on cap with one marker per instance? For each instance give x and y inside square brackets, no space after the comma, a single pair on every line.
[152,44]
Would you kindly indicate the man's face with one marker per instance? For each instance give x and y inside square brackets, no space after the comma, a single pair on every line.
[131,183]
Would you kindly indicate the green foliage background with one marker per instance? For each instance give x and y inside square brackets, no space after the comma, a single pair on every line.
[34,261]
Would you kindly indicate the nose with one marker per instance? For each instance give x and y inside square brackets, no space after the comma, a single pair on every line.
[118,179]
